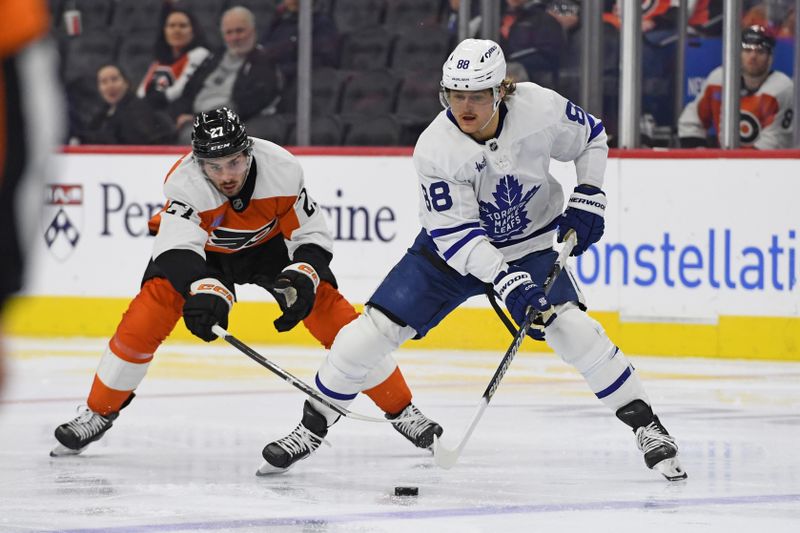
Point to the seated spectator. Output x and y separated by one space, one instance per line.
450 19
567 14
530 36
766 101
179 50
280 42
705 17
778 18
658 17
242 77
659 26
125 118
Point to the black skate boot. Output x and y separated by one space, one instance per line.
282 454
78 433
419 431
659 447
75 435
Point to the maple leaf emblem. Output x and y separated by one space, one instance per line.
508 217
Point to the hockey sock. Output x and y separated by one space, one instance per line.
582 342
331 312
392 395
150 317
359 348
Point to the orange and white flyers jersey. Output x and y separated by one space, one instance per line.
198 217
765 115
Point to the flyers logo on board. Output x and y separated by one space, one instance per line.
62 218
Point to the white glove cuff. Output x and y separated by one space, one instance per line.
212 286
509 282
593 203
306 269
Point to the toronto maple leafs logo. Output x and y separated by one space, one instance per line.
507 217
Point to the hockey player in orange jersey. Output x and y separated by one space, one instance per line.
237 212
765 118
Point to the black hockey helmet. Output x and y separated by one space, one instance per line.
757 38
218 133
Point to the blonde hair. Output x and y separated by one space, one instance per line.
509 87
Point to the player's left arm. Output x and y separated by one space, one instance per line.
580 137
310 247
776 130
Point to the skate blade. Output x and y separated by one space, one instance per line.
671 469
61 451
267 469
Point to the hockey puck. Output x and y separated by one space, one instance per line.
406 491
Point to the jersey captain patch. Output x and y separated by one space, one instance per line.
235 239
507 217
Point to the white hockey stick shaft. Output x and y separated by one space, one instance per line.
447 457
298 383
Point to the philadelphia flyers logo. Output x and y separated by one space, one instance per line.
749 127
236 239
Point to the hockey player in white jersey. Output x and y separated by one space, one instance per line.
490 211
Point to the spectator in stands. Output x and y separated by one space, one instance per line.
242 77
567 14
658 25
179 50
125 119
778 17
705 17
280 42
658 17
450 19
530 36
766 101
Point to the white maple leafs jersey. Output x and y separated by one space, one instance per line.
199 218
486 204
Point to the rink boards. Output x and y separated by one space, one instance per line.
701 254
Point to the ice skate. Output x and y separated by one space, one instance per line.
282 454
419 431
659 447
76 435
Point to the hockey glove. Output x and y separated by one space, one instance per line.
208 303
519 294
584 214
295 289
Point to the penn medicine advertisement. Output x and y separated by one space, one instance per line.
687 240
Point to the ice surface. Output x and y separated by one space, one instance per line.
547 455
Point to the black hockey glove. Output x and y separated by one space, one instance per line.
584 214
519 294
295 289
208 303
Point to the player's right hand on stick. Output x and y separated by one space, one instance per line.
519 294
208 303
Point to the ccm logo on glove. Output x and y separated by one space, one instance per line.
306 269
212 286
208 303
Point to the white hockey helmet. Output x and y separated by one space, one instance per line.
474 65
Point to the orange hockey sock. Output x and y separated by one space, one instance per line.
392 395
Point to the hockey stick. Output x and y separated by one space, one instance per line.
298 383
447 457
